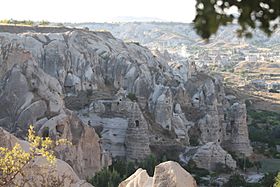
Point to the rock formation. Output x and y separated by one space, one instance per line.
40 172
138 179
236 133
137 102
210 156
33 97
169 174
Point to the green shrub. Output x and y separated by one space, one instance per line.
240 161
44 22
132 96
121 169
149 164
193 169
269 179
235 180
17 22
106 178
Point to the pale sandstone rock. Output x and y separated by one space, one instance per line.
237 130
137 143
211 156
98 65
167 174
171 174
31 95
85 153
39 172
138 179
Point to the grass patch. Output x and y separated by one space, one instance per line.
270 165
271 118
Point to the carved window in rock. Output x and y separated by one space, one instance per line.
60 128
137 123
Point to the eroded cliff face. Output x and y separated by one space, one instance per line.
39 172
30 96
137 102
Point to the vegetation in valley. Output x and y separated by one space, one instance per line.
28 23
269 180
17 22
120 170
264 131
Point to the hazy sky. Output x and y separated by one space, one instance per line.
97 10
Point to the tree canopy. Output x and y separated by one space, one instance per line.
249 14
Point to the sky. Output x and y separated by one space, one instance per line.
98 10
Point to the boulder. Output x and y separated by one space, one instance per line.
171 174
167 174
211 156
138 179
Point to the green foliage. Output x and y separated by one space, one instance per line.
14 161
242 161
268 179
235 180
264 128
197 173
17 22
132 96
277 180
106 178
149 164
124 168
267 117
211 14
120 170
44 22
222 169
194 141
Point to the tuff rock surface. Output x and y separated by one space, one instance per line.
167 174
40 172
31 96
210 156
138 179
69 80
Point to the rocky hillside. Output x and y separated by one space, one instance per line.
173 35
75 84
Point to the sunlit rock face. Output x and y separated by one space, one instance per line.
168 173
210 156
39 171
138 102
32 97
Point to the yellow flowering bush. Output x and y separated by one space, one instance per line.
13 161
